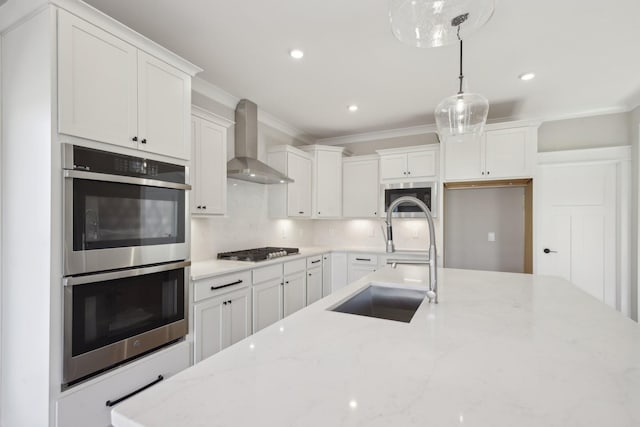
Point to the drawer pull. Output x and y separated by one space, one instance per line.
316 261
111 403
237 282
363 259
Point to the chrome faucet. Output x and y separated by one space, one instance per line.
432 294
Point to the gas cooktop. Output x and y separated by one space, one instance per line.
258 254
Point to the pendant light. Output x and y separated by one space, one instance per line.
426 23
463 113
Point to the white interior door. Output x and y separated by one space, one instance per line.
577 234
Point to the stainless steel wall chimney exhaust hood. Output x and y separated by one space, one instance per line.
245 165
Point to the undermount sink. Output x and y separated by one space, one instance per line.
383 302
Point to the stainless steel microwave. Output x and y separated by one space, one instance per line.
122 211
427 192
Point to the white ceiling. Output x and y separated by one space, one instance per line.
584 53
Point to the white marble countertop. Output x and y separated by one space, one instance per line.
214 267
500 349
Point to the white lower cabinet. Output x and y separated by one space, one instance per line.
314 279
338 270
220 322
295 293
295 286
326 274
267 303
88 404
314 284
361 264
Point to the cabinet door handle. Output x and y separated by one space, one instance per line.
237 282
204 207
134 139
224 303
111 403
287 282
488 172
144 141
549 251
309 274
482 172
375 213
316 261
229 302
404 173
409 173
198 207
363 259
318 212
301 212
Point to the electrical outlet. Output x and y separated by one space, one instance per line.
492 236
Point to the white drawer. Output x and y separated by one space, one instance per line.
363 259
314 261
294 266
86 405
263 274
215 286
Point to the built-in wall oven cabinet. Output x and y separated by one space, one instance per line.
424 191
115 316
122 211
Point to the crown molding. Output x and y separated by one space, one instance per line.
598 154
586 113
214 92
208 115
376 135
275 123
230 101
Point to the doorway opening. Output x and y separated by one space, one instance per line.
488 225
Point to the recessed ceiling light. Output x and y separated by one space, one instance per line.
296 53
526 76
353 108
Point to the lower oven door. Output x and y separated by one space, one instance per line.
112 317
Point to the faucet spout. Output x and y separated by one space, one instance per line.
432 294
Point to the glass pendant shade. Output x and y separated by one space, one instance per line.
424 23
464 113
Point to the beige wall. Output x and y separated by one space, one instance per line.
370 147
470 215
634 137
587 132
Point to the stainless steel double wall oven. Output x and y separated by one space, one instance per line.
126 251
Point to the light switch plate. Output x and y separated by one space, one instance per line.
492 236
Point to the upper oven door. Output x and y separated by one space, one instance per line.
120 221
423 191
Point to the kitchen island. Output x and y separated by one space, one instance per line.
500 349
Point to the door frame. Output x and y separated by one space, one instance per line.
620 157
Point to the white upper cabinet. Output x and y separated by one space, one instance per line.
209 164
326 180
111 91
164 106
501 152
360 187
97 83
293 199
409 163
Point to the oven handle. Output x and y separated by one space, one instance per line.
114 275
93 176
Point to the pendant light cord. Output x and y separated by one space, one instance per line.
461 77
